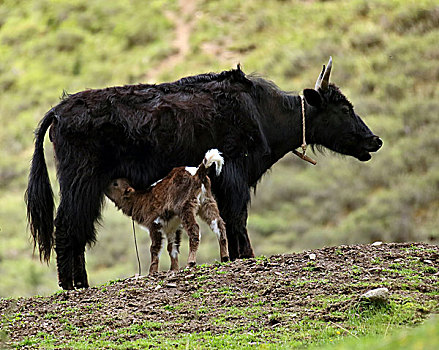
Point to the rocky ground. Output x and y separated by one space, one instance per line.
242 295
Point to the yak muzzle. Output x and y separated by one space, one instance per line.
371 144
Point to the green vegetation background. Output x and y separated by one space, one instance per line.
386 60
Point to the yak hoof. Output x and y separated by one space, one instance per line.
81 285
66 286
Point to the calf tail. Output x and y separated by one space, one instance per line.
39 195
212 156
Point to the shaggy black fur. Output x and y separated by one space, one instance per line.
141 132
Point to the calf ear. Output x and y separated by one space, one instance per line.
312 97
128 190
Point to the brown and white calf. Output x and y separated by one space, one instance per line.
172 203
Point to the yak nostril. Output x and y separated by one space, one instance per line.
373 144
378 141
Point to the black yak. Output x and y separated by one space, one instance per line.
140 132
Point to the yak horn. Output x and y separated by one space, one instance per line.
325 80
319 79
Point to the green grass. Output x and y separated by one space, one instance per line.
424 337
370 328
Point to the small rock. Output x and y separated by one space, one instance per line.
428 261
378 294
171 285
312 256
377 243
158 287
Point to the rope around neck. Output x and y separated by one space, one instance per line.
304 145
302 100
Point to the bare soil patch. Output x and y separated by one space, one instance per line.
261 292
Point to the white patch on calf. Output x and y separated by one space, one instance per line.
155 183
215 229
174 251
202 195
191 170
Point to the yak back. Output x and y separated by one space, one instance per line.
205 111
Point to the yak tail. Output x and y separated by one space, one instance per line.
39 195
212 156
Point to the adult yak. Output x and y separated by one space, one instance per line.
140 132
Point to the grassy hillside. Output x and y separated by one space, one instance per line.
287 301
386 60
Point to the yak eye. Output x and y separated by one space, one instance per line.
115 183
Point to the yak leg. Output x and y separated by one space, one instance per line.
64 255
79 272
232 202
80 206
70 257
245 247
193 230
237 236
174 240
156 246
210 214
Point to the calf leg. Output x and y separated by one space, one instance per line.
174 240
193 230
156 246
210 214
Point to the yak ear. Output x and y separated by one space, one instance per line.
312 97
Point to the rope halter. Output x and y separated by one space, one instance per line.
304 145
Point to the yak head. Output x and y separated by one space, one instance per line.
333 122
121 193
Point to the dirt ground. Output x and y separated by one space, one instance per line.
265 292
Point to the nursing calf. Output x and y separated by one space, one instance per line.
172 203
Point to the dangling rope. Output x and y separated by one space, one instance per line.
304 145
137 251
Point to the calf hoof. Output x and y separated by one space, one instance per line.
191 264
225 259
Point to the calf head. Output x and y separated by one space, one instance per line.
120 192
333 122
